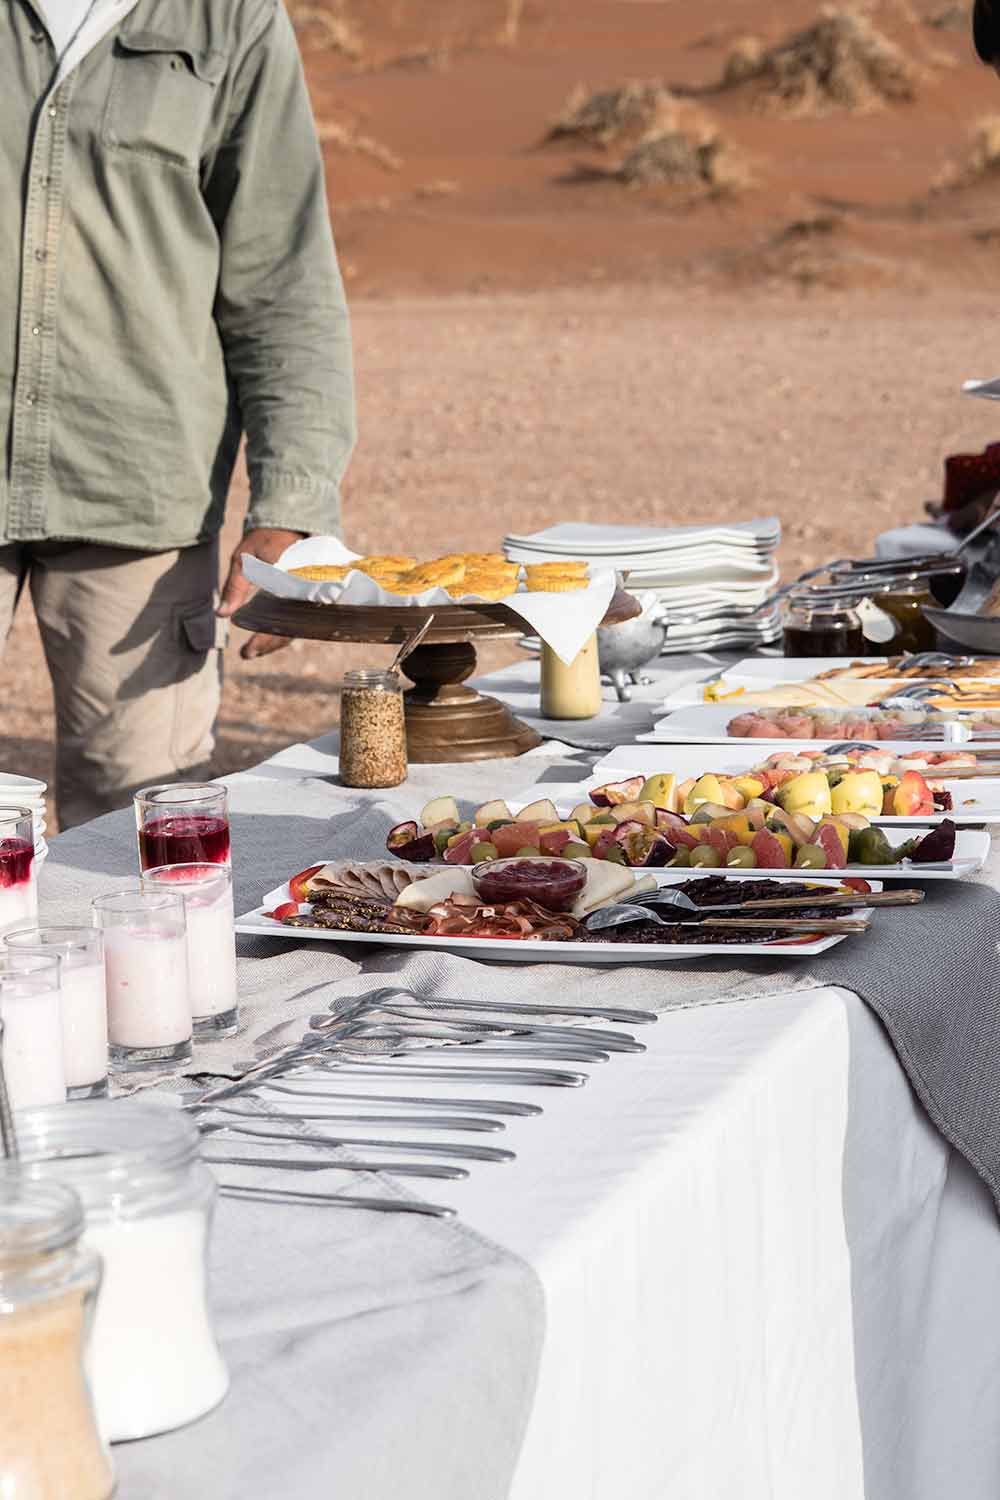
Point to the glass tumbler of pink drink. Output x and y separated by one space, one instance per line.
18 891
182 823
146 974
211 942
32 1032
82 999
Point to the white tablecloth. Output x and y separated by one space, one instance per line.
766 1276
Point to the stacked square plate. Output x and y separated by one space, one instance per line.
25 791
710 584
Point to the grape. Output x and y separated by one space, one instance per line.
810 857
705 857
741 858
483 851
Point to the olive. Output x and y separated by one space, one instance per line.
577 851
741 858
441 839
483 851
681 859
811 857
529 853
705 857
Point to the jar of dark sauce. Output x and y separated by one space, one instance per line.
819 625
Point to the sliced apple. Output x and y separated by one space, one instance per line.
705 789
912 798
440 810
661 790
542 811
492 812
808 794
639 812
858 792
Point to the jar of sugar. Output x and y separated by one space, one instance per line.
147 1197
49 1444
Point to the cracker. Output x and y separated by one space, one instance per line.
560 569
554 585
323 572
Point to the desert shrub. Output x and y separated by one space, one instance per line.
613 115
697 156
840 62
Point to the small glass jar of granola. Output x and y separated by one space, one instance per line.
372 729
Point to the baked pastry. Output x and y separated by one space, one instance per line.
323 572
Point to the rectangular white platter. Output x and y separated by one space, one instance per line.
976 800
504 950
972 846
706 724
751 690
801 668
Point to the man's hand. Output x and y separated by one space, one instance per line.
267 543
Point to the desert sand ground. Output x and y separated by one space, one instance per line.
536 343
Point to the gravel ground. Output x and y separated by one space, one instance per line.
481 415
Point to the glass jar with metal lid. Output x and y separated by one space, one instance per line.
147 1199
822 621
49 1443
372 729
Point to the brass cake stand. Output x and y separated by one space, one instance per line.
445 720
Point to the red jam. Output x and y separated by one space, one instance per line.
16 856
197 839
552 883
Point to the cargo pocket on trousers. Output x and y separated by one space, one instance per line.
161 98
199 682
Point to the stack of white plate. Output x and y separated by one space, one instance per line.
711 583
25 791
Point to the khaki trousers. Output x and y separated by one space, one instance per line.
131 641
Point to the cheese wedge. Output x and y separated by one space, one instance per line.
606 882
423 894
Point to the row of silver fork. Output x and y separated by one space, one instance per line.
340 1043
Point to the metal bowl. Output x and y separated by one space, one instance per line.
624 649
979 634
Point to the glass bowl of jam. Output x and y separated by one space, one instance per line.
552 883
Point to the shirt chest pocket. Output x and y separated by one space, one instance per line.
161 99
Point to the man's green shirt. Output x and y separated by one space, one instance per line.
168 279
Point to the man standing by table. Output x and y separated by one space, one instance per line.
168 281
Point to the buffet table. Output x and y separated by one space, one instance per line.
764 1272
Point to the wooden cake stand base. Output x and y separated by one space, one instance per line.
445 720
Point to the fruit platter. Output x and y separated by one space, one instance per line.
917 786
560 910
738 823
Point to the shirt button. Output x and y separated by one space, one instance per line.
52 111
35 331
44 180
31 398
41 255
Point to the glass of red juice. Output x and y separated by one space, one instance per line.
18 890
182 823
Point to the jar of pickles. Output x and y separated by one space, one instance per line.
49 1445
372 729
